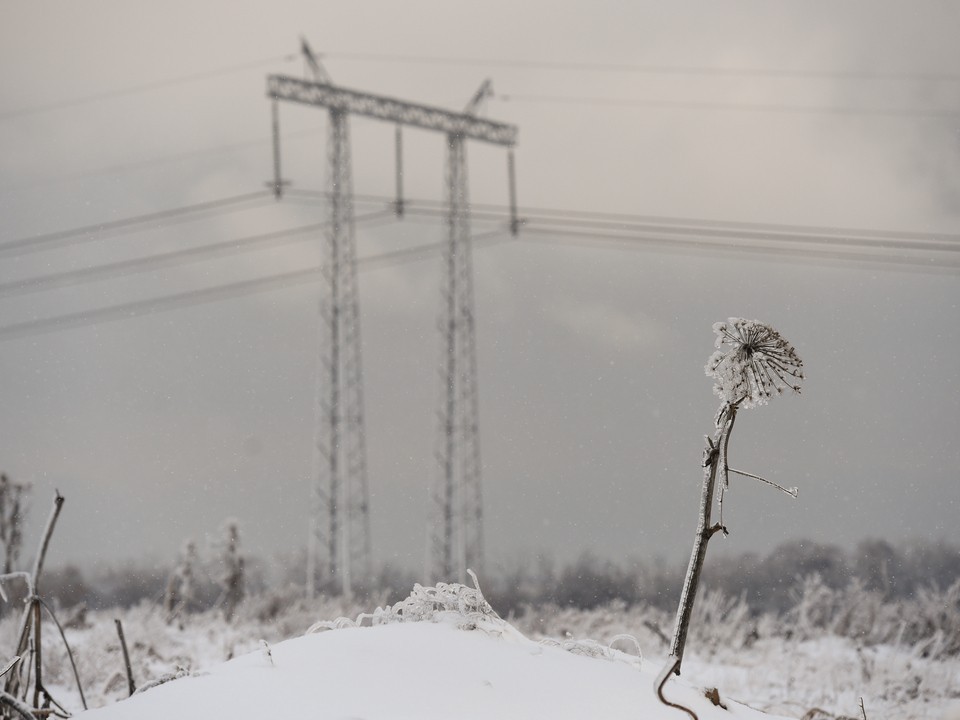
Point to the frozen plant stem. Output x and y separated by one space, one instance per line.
131 687
13 680
752 363
715 456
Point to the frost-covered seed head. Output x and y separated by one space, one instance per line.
755 364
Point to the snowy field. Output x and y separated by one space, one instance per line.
481 667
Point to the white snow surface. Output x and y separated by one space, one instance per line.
424 670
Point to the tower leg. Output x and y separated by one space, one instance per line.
457 535
340 537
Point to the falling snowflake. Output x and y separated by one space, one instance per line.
757 363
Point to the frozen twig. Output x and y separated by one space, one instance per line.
47 534
267 652
165 678
12 683
18 706
131 687
791 491
9 666
655 629
38 658
73 664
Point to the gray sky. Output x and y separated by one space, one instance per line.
593 398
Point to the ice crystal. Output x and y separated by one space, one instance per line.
755 364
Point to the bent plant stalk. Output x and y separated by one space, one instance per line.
30 620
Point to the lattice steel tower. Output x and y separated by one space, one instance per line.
341 525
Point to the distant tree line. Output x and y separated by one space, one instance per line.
771 583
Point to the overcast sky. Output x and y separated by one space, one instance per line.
592 392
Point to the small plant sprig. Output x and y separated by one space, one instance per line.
752 363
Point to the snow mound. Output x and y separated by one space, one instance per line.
441 653
465 608
458 605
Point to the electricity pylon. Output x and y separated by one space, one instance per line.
338 547
340 518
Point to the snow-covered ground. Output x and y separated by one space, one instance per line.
417 670
492 669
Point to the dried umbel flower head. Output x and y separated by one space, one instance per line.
755 364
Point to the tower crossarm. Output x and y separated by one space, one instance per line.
283 87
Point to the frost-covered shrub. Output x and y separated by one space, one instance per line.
181 592
231 579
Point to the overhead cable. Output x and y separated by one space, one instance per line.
175 258
145 87
653 68
88 233
200 296
786 108
633 218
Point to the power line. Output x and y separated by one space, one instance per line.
46 241
162 160
145 87
850 246
583 237
852 240
649 69
939 256
190 298
637 218
652 242
898 240
171 259
929 113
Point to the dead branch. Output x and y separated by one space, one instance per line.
47 534
18 706
9 666
32 611
655 629
73 664
126 657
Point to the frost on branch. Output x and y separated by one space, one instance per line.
756 364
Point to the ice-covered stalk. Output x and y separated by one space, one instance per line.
12 681
752 363
714 457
